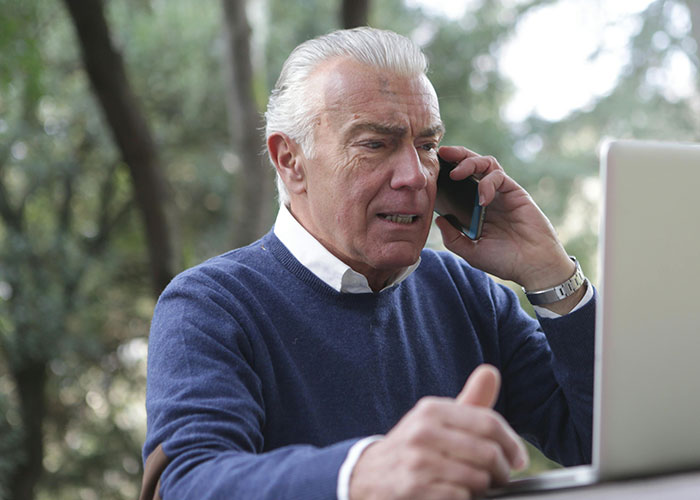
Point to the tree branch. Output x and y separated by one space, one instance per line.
107 74
254 185
11 216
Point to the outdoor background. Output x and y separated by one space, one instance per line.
129 150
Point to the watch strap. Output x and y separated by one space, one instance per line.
559 292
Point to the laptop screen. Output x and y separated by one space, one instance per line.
648 351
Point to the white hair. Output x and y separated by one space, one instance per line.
290 110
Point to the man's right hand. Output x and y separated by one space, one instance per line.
443 448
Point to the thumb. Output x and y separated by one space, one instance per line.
455 241
481 388
451 236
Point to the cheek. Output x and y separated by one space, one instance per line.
324 182
348 185
358 181
432 190
351 205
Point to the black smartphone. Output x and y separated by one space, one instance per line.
458 201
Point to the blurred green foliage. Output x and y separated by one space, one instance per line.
74 295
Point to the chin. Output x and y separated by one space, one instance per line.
398 258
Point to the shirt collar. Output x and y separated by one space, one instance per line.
317 259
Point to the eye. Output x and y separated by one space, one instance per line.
429 146
373 144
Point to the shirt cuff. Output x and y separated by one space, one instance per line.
543 312
348 465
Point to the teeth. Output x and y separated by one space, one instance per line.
401 219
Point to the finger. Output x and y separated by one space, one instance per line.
479 459
436 468
456 153
462 481
432 414
441 491
492 426
481 388
478 166
495 181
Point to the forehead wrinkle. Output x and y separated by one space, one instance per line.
380 128
340 91
436 130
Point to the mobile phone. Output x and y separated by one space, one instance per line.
458 201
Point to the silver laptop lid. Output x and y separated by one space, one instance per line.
647 408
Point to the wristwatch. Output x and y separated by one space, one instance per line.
559 292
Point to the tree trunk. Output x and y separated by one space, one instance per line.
107 74
30 380
354 13
253 199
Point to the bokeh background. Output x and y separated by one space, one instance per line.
130 150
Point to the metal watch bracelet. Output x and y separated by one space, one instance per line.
559 292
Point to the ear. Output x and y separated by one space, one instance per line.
288 159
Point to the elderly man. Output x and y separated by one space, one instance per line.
329 358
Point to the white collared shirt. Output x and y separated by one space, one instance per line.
320 261
341 277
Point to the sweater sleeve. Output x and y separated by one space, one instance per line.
206 409
548 371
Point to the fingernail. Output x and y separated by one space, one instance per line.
522 462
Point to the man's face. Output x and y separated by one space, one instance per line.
370 181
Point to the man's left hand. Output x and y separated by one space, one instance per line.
518 242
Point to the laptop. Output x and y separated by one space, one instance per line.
647 378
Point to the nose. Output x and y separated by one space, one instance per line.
409 172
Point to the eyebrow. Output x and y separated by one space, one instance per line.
437 129
393 130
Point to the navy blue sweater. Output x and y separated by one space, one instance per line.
261 377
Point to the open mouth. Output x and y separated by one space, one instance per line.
399 219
